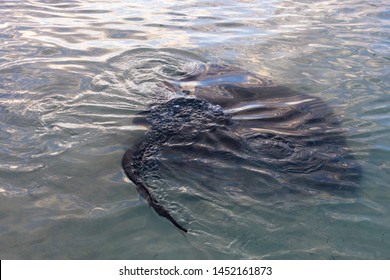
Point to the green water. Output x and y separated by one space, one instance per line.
68 105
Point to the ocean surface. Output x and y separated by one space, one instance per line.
77 76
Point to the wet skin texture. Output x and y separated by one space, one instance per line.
168 120
237 116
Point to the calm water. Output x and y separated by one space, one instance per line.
74 76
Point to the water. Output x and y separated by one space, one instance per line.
75 75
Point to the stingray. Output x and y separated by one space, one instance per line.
227 114
169 120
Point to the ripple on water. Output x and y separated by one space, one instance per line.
75 79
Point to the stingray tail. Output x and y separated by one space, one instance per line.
164 213
142 187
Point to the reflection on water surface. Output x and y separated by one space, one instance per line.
75 77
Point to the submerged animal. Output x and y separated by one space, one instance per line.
169 120
229 115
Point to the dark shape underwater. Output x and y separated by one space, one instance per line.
234 117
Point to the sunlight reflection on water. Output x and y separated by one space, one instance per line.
73 84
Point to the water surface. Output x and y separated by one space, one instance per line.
74 76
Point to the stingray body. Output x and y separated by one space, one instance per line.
167 121
230 115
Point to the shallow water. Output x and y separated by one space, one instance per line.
75 75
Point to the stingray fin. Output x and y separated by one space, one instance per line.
143 188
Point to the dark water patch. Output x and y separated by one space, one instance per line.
228 24
129 34
134 19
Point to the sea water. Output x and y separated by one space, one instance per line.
75 76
